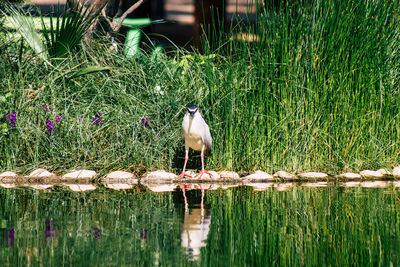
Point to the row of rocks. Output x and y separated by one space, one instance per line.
257 186
167 177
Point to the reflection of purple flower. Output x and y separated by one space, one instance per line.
145 122
50 126
50 231
11 237
143 234
96 232
11 118
49 228
58 118
97 118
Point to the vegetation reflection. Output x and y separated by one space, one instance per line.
238 226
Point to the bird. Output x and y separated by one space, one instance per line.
197 136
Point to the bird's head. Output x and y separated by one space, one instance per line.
192 109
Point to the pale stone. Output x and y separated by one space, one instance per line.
119 186
161 187
259 186
226 186
396 183
207 186
371 174
82 174
351 184
396 172
283 186
40 173
160 175
8 174
229 175
259 175
214 176
350 175
199 186
40 186
9 178
191 173
6 185
120 175
383 172
313 175
81 187
319 184
375 184
284 175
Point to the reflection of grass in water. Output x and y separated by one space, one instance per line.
306 226
302 226
318 91
101 227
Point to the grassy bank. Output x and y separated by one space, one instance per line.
317 88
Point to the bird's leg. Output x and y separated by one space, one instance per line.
203 171
185 198
183 174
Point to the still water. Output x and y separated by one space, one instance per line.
290 226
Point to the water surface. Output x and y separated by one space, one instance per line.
293 226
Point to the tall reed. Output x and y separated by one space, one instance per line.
314 85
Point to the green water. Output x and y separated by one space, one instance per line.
237 226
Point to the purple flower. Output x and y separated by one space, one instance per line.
50 127
58 118
97 118
46 108
145 122
11 118
96 232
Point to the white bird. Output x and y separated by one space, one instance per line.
197 136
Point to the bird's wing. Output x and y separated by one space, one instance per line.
183 126
207 138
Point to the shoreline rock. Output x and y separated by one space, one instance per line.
350 175
159 176
229 175
371 174
258 176
396 172
79 175
313 175
121 177
285 175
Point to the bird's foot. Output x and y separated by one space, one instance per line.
201 173
183 175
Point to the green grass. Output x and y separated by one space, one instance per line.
318 91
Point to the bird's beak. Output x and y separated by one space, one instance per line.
192 111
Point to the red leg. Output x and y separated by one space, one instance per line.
183 174
203 171
185 199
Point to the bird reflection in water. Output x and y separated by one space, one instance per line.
196 225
